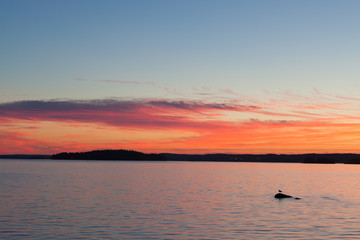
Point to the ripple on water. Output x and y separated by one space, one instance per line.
177 200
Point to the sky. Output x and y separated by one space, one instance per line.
180 76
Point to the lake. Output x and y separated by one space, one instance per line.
47 199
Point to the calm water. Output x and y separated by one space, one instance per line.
43 199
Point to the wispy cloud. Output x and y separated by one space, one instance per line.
127 82
228 91
172 91
17 142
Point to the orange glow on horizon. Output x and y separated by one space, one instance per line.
251 137
170 126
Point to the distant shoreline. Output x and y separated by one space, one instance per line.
130 155
25 156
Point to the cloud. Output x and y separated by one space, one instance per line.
126 113
228 91
127 82
348 98
172 91
182 124
18 142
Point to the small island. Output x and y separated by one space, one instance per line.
111 154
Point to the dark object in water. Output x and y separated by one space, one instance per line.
281 195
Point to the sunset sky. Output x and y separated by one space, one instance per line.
180 76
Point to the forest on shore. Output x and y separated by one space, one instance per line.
121 154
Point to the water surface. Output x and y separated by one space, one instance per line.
44 199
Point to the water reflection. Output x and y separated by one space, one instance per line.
177 200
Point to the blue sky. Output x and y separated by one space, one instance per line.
245 46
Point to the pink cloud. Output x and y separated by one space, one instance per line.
122 113
17 142
228 91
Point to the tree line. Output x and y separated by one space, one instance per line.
120 154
